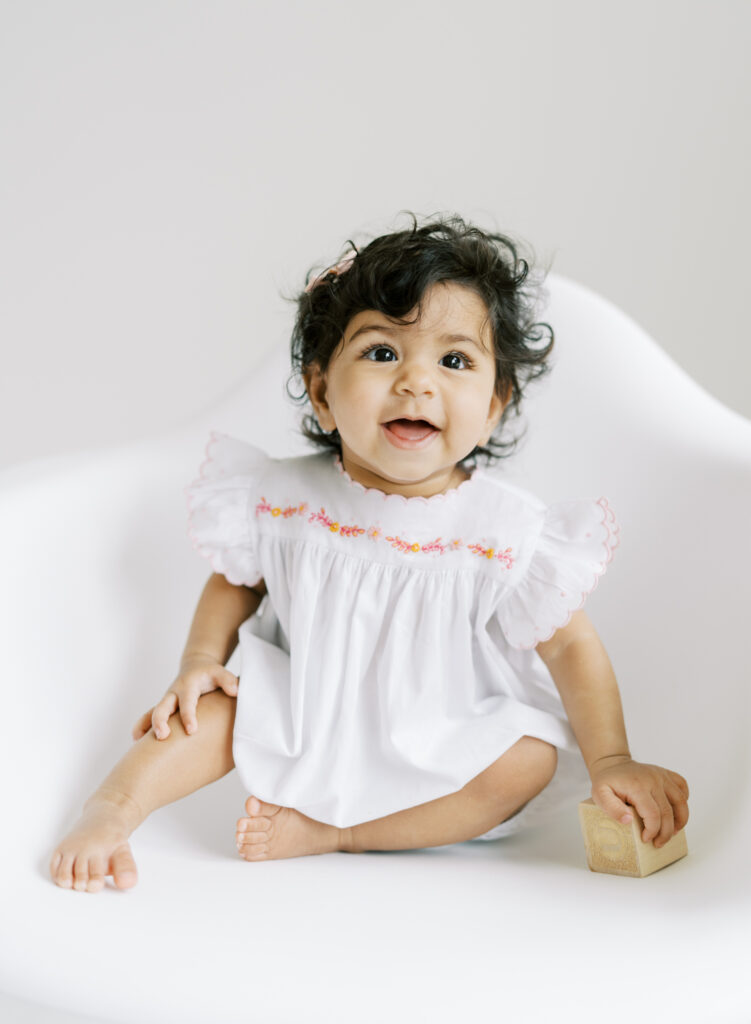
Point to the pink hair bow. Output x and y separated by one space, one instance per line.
341 267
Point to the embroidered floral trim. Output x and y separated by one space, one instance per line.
321 518
502 556
291 510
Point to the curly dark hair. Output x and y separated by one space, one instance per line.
391 275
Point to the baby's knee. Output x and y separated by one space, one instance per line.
545 757
528 766
540 762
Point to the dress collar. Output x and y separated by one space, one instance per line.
434 499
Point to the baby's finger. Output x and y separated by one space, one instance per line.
166 707
651 814
143 725
680 807
679 781
613 806
188 705
667 826
228 683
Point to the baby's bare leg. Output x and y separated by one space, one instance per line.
271 831
152 773
487 800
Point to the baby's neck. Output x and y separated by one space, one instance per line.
421 488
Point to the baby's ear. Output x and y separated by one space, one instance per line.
498 403
316 385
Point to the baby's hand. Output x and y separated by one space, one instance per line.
659 795
198 675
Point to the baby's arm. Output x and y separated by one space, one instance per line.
222 608
582 672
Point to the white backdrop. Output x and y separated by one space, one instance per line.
169 167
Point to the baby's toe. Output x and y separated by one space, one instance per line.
254 838
253 825
256 833
97 868
254 807
124 870
64 875
81 874
254 851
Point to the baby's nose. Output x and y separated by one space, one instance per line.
416 377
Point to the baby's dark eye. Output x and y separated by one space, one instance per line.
456 358
379 354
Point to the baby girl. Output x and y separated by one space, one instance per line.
417 669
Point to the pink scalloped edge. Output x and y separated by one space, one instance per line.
610 543
213 557
434 498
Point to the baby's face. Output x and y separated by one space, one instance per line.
410 402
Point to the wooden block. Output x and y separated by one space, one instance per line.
619 849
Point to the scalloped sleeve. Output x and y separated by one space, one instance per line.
220 523
574 547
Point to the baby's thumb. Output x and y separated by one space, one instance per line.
229 683
614 807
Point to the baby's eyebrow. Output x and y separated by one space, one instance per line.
455 339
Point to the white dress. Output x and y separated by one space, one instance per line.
393 658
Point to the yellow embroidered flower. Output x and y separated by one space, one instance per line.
334 527
415 547
489 553
276 511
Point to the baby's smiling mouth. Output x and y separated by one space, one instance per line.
410 430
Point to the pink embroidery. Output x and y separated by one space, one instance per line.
291 510
502 556
321 518
346 531
406 546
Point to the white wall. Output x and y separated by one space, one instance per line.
168 167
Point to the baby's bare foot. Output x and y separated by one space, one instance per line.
272 832
97 846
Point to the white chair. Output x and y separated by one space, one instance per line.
98 587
